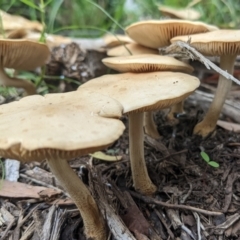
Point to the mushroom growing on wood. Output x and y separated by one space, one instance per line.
147 63
139 93
21 55
223 43
48 128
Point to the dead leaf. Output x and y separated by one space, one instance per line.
135 221
102 156
234 127
22 190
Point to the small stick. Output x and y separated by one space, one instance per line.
181 49
150 200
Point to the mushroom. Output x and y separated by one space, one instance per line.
21 55
139 93
48 128
223 43
130 49
112 40
157 33
147 63
13 22
51 40
185 13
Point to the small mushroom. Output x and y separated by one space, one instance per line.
139 93
112 40
183 13
148 63
130 49
21 55
58 127
13 22
223 43
51 40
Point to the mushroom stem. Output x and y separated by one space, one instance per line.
7 81
176 108
141 180
150 127
208 124
94 225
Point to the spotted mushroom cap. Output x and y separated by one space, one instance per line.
146 91
62 125
130 48
217 43
185 13
22 54
157 33
146 63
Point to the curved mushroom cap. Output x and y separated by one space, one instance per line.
146 63
134 48
13 22
22 54
145 91
116 40
217 43
63 125
51 40
187 13
157 33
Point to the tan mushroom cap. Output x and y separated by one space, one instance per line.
157 33
116 40
146 63
64 125
145 91
220 42
134 48
22 54
13 22
186 13
51 40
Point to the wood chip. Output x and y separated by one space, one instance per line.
22 190
234 127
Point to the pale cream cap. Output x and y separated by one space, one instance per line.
217 43
145 91
134 48
62 125
157 33
146 63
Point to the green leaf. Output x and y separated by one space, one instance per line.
105 157
205 156
30 4
213 164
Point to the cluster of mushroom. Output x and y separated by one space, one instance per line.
148 36
207 39
58 127
94 109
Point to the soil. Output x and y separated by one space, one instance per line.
194 200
